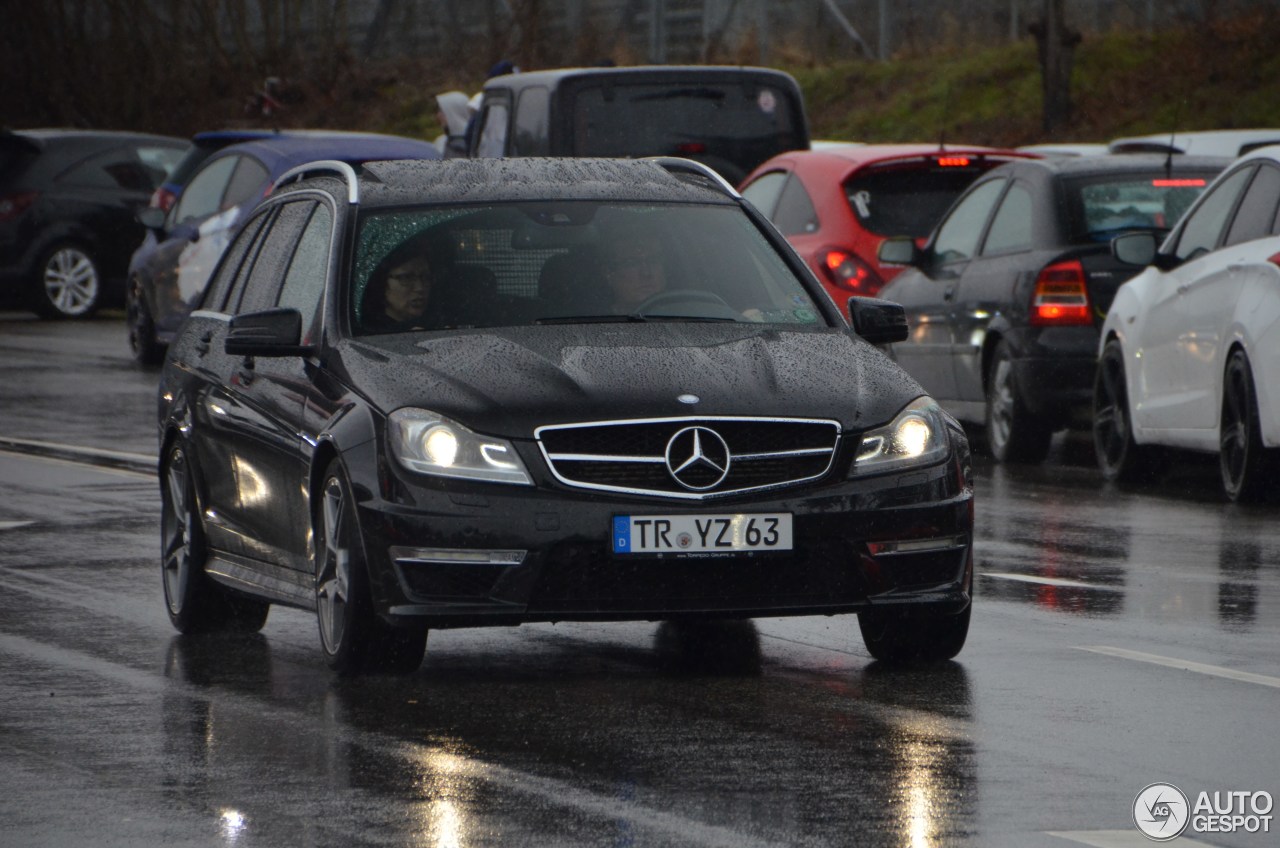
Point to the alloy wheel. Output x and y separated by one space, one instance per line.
333 578
71 282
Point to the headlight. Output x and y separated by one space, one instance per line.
432 444
918 436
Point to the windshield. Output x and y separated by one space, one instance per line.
545 263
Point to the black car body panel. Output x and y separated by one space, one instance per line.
599 419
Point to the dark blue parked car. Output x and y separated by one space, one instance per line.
169 270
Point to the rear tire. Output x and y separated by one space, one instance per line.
142 329
1013 434
353 638
1247 468
907 636
69 283
195 603
1120 458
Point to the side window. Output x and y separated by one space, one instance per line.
203 195
493 132
1205 225
309 270
765 191
249 179
229 270
795 214
532 138
958 235
1257 213
1011 228
262 287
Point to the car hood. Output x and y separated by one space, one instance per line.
507 382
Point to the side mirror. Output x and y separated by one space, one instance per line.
899 250
878 321
271 332
152 218
1134 248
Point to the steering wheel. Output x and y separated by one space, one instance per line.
694 296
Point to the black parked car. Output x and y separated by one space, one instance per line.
478 392
731 118
1006 299
68 206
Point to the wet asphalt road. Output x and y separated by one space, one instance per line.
1119 639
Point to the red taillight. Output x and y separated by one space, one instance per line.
163 199
1061 297
953 161
691 148
13 205
849 272
1184 183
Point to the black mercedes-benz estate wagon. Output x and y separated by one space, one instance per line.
487 392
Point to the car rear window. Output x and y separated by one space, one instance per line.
731 127
1102 206
908 199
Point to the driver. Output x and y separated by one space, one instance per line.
634 271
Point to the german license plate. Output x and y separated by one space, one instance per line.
654 534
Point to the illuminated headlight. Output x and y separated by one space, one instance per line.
432 444
918 436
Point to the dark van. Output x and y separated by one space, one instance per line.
730 118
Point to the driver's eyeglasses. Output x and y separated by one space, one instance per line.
410 280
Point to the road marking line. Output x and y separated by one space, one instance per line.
1117 839
1184 665
141 463
1049 581
131 473
14 525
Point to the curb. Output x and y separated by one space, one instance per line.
136 462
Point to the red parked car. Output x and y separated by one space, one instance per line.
835 205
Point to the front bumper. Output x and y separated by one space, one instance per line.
544 554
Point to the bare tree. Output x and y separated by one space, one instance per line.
1056 45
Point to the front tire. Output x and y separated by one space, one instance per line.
69 283
1247 468
194 602
1120 458
353 639
900 637
1014 434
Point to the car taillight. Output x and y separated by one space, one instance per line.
1274 259
163 199
1061 297
849 272
13 205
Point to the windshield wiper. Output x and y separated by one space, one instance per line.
594 319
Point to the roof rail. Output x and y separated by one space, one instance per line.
689 166
331 166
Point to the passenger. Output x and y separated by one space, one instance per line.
634 270
453 112
398 292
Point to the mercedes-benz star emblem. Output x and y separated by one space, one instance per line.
698 458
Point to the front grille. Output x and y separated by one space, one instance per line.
691 458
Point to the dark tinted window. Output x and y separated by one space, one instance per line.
531 123
215 295
115 169
907 200
1257 213
1204 226
309 270
272 260
795 214
732 127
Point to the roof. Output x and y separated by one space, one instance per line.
639 73
448 181
44 135
286 151
1118 163
1230 143
838 162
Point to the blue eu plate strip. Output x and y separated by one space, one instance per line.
621 534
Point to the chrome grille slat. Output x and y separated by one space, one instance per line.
629 457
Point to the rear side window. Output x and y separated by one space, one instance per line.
1257 213
232 260
493 134
795 214
907 201
265 278
763 193
203 197
958 236
531 123
249 179
308 271
1204 227
1011 228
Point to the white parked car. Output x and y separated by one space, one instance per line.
1190 350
